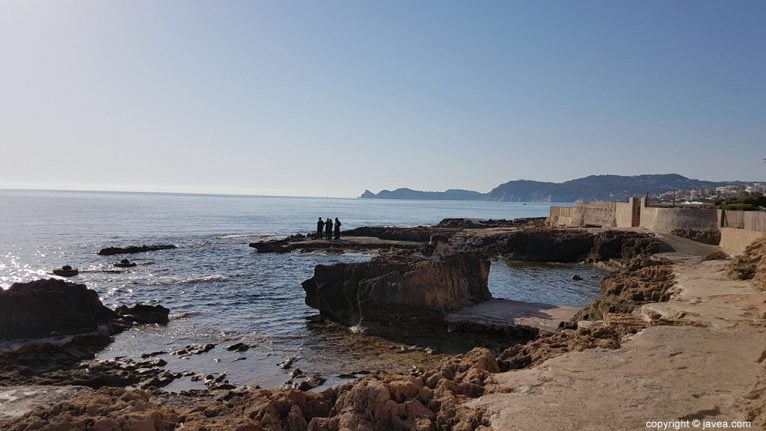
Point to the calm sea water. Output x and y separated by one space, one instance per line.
220 290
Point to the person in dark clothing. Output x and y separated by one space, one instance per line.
320 228
328 229
337 229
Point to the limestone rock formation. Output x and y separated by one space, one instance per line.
380 402
398 293
566 245
642 280
47 307
752 264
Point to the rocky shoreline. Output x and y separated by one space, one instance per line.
450 396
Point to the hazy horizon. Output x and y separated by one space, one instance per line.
327 99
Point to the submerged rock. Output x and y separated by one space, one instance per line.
66 271
398 294
125 263
110 251
142 314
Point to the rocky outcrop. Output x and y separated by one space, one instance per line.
539 244
396 233
752 264
143 314
110 251
565 245
705 236
303 243
469 223
613 244
642 280
432 400
541 349
50 307
398 293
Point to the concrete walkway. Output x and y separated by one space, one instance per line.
711 366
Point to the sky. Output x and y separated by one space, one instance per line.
329 98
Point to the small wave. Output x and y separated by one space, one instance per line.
235 236
174 280
179 316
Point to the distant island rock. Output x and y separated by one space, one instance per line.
404 193
590 188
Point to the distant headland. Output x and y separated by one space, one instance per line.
593 187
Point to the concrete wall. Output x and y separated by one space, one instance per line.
734 241
628 214
636 212
601 214
669 219
748 220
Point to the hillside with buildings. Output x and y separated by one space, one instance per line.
591 188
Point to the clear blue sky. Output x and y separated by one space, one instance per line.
328 98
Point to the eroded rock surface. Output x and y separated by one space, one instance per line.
751 265
398 293
642 280
431 401
565 245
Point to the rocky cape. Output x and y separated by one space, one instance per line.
593 187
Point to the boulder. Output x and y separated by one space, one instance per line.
141 313
49 307
398 294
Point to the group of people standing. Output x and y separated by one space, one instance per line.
327 228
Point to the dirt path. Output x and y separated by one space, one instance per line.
710 366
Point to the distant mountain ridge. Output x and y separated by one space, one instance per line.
590 188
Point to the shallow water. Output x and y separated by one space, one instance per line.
221 291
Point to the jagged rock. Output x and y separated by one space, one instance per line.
541 349
125 263
45 307
392 293
566 245
110 251
467 223
396 233
194 349
536 244
706 236
715 255
752 264
142 314
642 280
617 244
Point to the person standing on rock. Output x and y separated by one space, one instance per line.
328 228
337 229
320 228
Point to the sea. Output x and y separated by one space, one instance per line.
221 291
